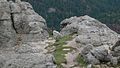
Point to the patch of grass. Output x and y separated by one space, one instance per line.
81 61
59 53
62 40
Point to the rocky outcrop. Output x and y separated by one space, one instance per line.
19 17
29 55
69 26
97 55
23 35
28 22
95 39
90 31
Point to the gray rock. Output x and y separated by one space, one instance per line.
7 33
28 61
22 31
56 34
116 52
101 53
3 0
97 55
15 8
114 60
89 30
2 62
116 49
4 11
68 27
26 48
27 22
5 16
92 32
17 1
91 59
21 18
89 39
86 49
22 58
25 6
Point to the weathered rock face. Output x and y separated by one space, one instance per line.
69 26
90 31
28 22
95 39
19 17
26 56
22 34
7 33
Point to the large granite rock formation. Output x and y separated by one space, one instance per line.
19 17
90 31
94 38
28 22
22 34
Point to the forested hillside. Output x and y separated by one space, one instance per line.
54 11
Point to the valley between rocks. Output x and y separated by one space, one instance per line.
83 42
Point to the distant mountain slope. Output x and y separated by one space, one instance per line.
54 11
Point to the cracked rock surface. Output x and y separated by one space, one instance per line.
94 40
22 37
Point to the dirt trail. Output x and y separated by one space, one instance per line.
71 56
